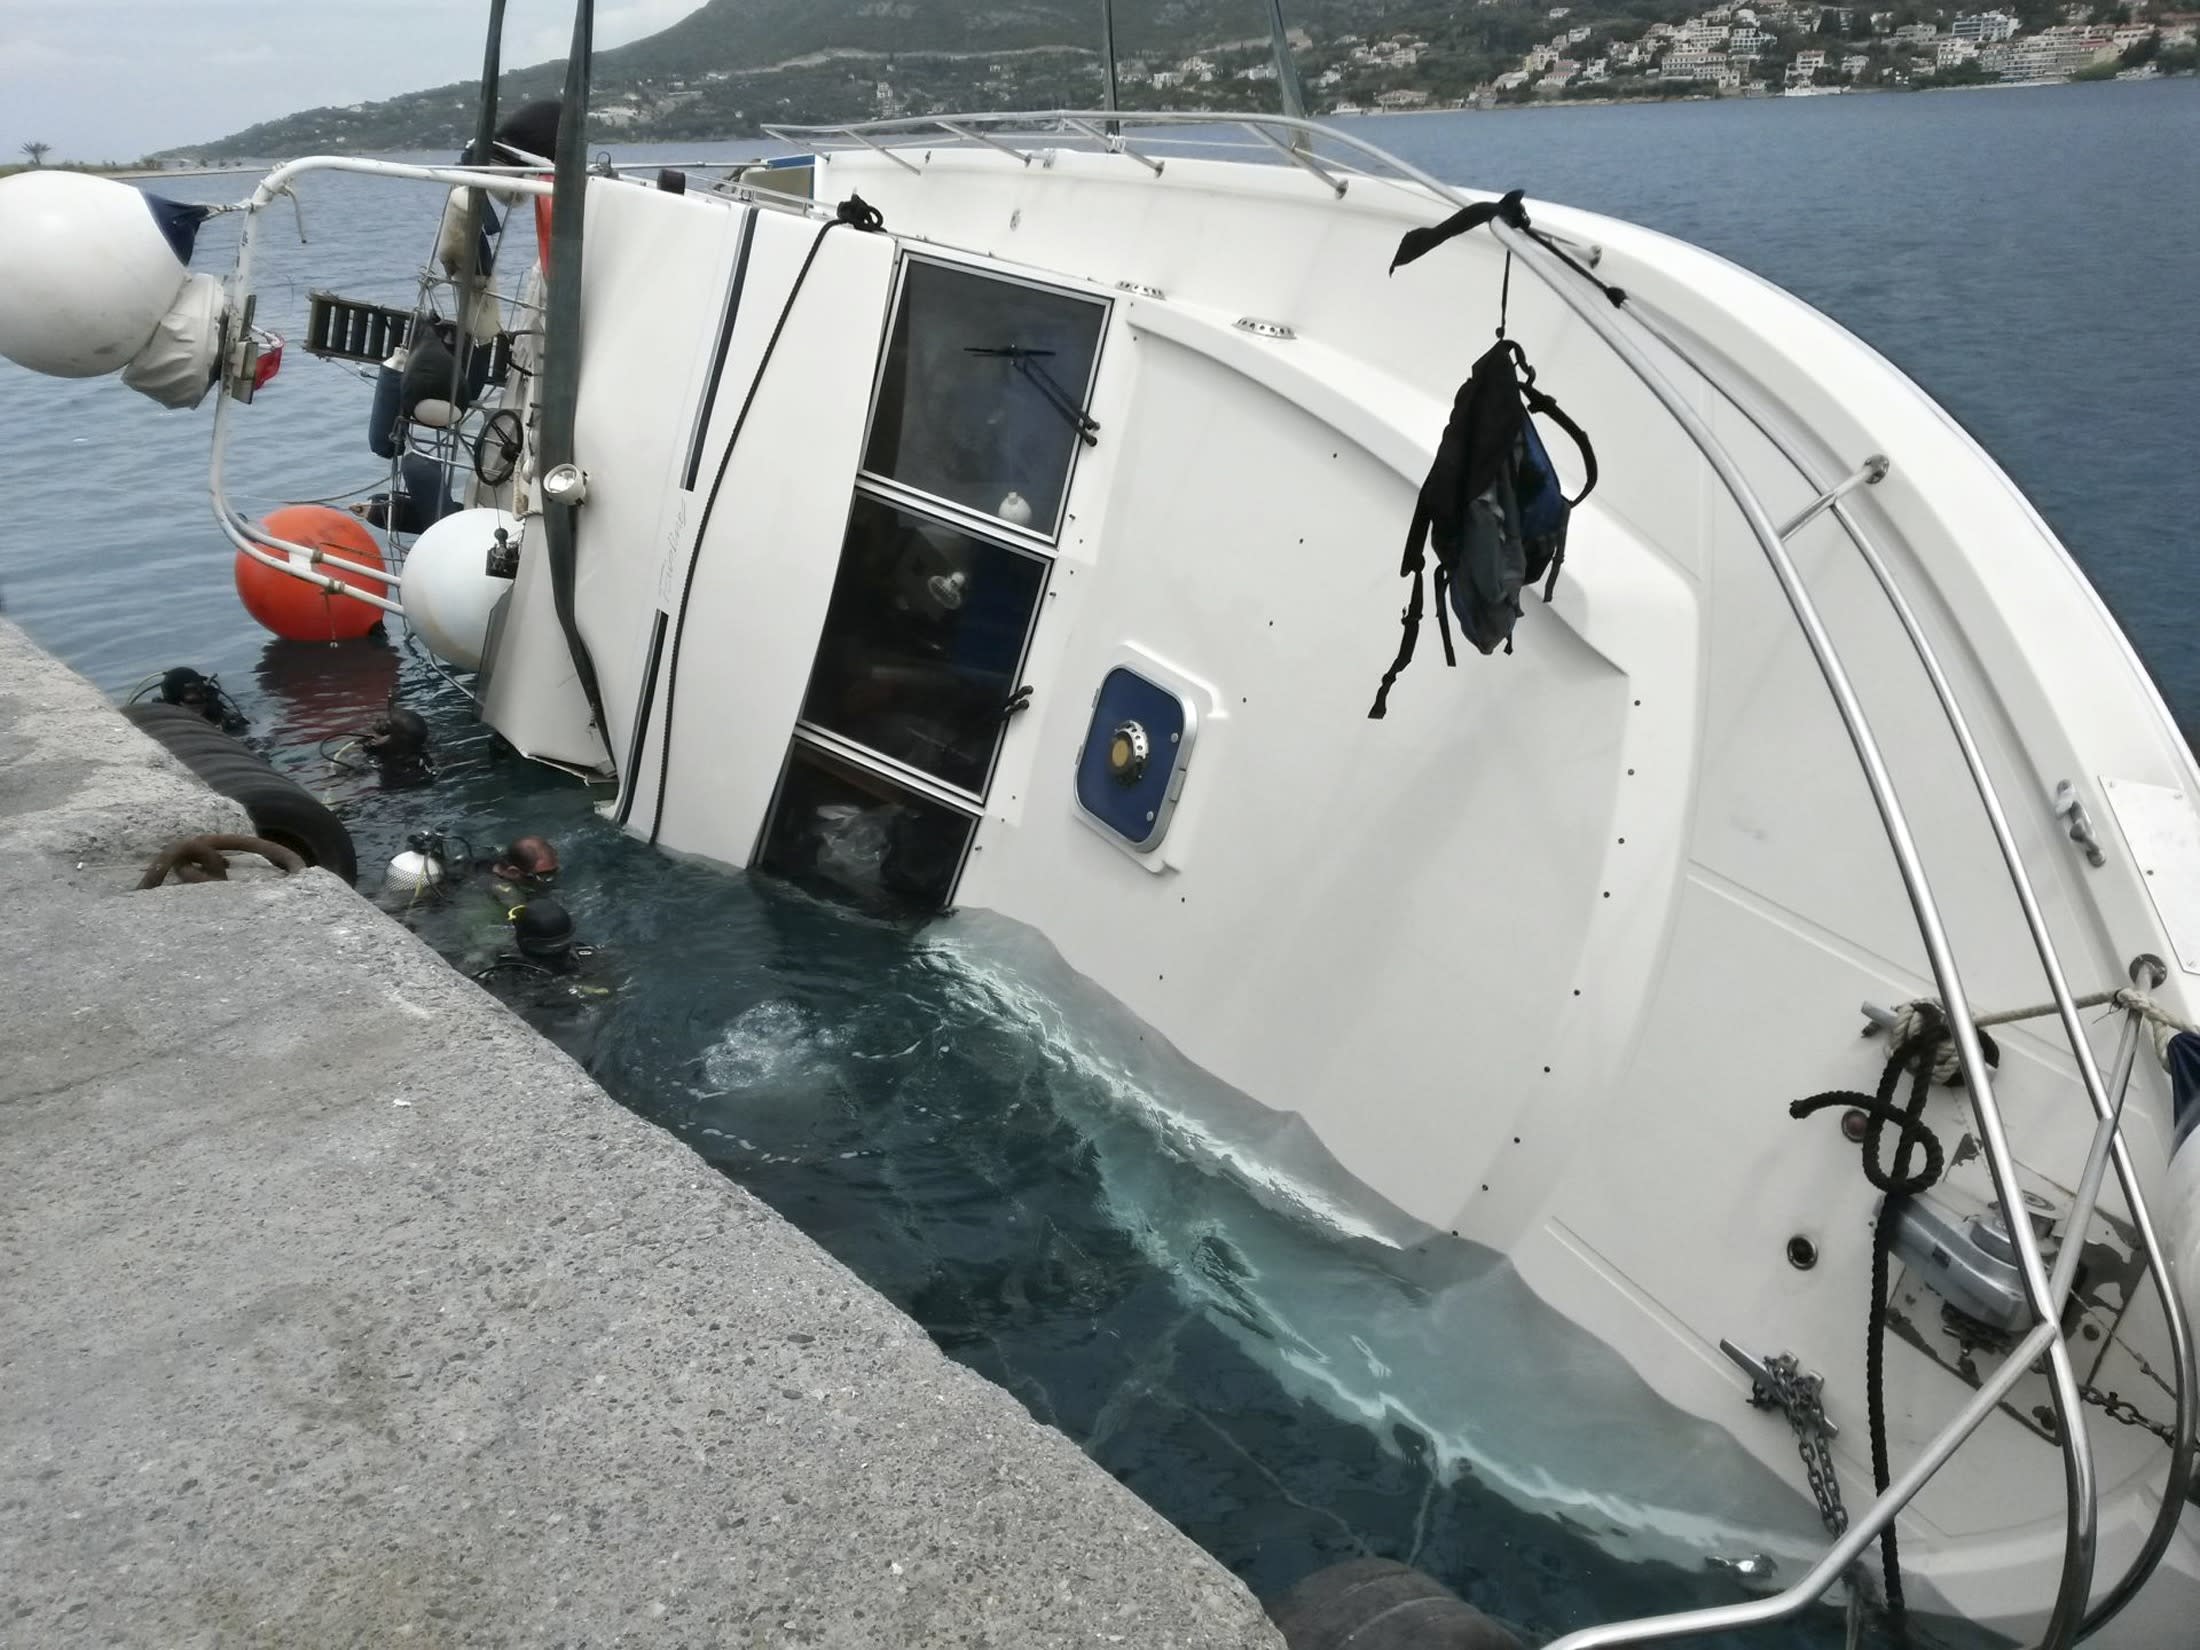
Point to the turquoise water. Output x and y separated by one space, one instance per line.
982 1154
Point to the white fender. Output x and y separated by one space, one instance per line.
176 366
85 272
447 591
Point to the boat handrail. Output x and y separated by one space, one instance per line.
2182 1352
2070 1617
1592 306
298 560
1108 131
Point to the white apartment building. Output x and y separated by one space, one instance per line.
1691 63
1948 53
1983 28
1917 34
2054 53
1854 64
1806 65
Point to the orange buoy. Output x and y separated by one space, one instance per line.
302 612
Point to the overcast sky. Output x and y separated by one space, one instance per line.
115 79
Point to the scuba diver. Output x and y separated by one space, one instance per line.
397 744
204 694
523 870
528 864
557 985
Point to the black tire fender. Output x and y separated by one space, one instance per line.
1380 1604
282 810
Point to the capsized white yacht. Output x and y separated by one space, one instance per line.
1002 514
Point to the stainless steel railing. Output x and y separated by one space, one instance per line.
2107 1109
1591 307
2070 1618
298 560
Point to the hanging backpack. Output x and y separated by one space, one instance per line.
1492 505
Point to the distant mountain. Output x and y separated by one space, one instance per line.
732 64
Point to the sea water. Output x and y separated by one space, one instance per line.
973 1133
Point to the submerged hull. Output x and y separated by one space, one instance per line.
1540 958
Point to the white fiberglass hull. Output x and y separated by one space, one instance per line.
1540 958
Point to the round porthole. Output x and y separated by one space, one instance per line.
1131 765
1128 751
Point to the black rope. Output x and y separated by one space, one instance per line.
1900 1183
1419 243
1617 295
858 213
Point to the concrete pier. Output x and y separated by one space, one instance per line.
337 1308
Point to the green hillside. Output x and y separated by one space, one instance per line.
734 63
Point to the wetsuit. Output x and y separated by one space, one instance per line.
566 997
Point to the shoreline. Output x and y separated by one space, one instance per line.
1543 103
644 141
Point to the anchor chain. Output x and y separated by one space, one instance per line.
1802 1398
2127 1412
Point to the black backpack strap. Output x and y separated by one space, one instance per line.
1538 402
1419 243
1409 621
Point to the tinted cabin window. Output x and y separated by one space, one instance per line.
851 832
980 391
922 642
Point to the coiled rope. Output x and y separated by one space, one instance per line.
1910 1024
1922 1047
1919 1037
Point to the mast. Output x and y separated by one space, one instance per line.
561 351
1107 55
482 152
1287 69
